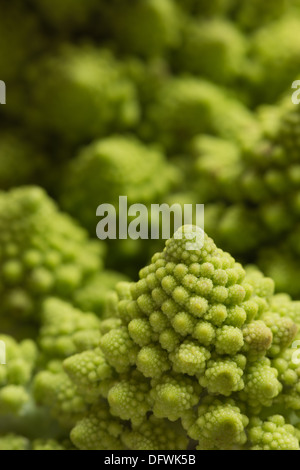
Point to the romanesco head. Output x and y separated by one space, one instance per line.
43 252
196 330
115 166
86 79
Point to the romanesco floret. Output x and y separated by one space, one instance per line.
17 442
115 166
53 389
214 49
155 434
43 252
96 295
13 442
86 79
194 326
275 53
218 425
273 434
17 365
65 330
98 430
186 106
198 353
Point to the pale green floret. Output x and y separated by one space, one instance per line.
90 372
172 395
114 166
54 389
286 307
229 340
273 434
119 349
170 348
66 330
289 375
129 399
17 365
98 430
223 377
87 78
183 323
186 106
261 384
13 398
215 49
189 358
156 434
51 444
283 331
257 339
97 296
140 331
152 361
13 442
43 253
275 49
204 333
219 426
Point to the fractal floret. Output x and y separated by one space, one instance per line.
115 116
186 106
214 49
85 79
43 252
259 183
197 341
115 166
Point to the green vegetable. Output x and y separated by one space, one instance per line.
81 78
103 345
43 252
195 325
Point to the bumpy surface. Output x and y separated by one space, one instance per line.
165 102
84 79
195 330
43 252
114 167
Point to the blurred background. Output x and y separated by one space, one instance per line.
174 101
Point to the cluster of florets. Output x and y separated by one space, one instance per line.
194 331
43 252
258 179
